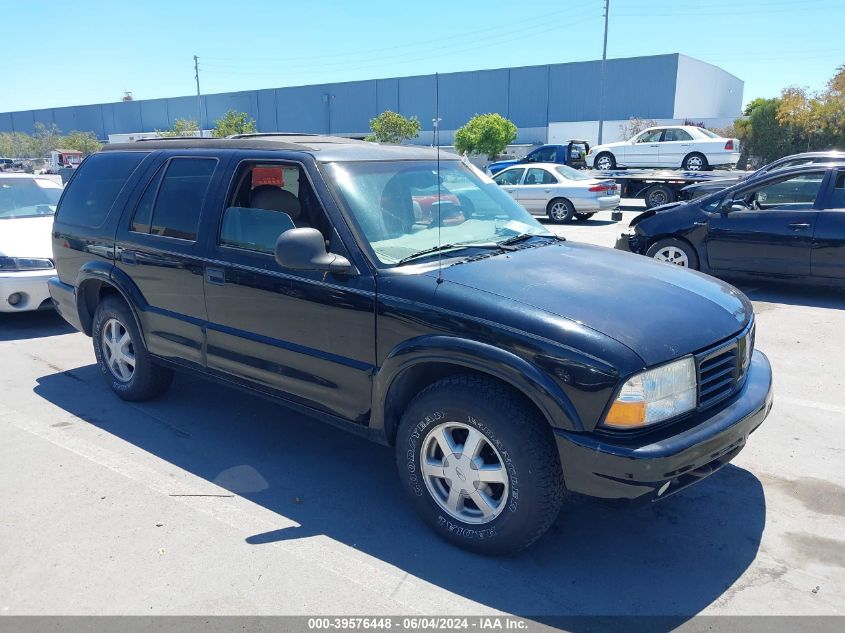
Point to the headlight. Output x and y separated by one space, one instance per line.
25 263
655 395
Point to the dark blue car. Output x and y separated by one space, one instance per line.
572 153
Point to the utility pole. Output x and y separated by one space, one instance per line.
199 98
603 64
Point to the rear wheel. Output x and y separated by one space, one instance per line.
605 161
674 251
695 162
657 195
124 362
560 210
479 465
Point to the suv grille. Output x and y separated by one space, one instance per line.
721 370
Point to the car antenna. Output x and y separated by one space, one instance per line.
437 150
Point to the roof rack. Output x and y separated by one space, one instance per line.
168 138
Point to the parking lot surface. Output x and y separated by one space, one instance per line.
210 501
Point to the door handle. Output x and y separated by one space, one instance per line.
547 190
129 258
799 226
215 276
654 145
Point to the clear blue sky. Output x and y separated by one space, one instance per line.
90 51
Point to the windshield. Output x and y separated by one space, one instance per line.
396 206
571 174
28 197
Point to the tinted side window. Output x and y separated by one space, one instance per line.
144 210
180 197
837 198
677 135
94 188
539 177
509 177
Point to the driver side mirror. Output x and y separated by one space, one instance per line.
729 206
305 249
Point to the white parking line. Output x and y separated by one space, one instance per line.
821 406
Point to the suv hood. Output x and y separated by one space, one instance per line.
660 312
26 237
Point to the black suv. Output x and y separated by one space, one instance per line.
402 295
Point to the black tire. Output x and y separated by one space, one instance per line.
560 210
661 248
147 380
611 162
524 447
657 195
694 162
583 216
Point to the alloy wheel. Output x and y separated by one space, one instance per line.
464 473
672 255
694 163
604 163
559 211
118 350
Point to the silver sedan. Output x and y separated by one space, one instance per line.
558 191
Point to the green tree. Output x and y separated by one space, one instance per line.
392 127
85 142
486 134
233 123
181 127
45 139
15 145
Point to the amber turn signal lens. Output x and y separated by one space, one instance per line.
626 414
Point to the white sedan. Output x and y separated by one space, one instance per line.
688 147
557 191
27 205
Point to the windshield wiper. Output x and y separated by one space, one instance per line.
521 237
445 247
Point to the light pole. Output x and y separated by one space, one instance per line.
603 64
199 98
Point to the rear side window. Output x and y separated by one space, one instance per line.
171 203
94 188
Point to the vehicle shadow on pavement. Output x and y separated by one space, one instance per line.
590 222
670 559
809 296
18 326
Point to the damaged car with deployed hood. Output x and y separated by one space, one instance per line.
506 366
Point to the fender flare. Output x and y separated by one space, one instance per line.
109 274
506 366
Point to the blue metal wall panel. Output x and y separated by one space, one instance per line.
352 105
303 109
528 94
266 119
642 87
126 116
23 121
217 105
387 95
177 108
463 95
154 114
416 98
6 122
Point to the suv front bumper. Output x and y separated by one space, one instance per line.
653 466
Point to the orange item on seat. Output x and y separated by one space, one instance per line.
268 176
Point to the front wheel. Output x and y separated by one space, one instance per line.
560 210
121 355
479 465
674 251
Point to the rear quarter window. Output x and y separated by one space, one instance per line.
92 191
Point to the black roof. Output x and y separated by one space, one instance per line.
323 148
